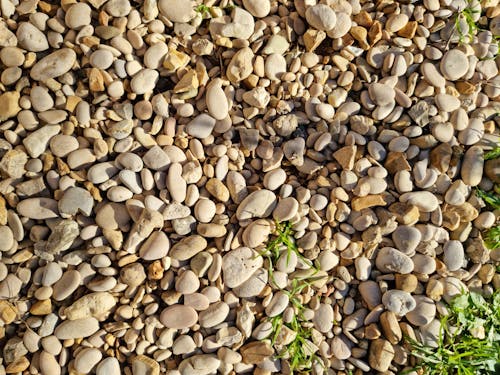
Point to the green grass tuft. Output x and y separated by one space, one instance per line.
469 338
493 154
491 199
491 238
299 353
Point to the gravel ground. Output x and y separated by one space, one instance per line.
247 187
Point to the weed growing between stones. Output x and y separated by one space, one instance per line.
469 338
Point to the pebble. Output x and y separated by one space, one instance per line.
454 64
178 317
49 364
95 305
201 126
38 208
217 104
391 260
78 328
321 17
87 359
381 355
53 65
454 256
144 81
259 204
239 265
188 247
31 38
77 16
399 302
215 314
424 312
108 366
177 10
323 318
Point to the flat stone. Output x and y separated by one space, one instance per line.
188 247
75 200
259 204
53 65
74 329
178 317
321 17
399 302
37 142
215 314
31 38
177 10
38 208
391 260
454 64
239 265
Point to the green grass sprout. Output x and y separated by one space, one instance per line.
491 238
469 338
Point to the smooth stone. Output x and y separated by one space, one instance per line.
473 166
321 17
380 355
53 65
133 274
254 285
156 159
323 318
341 347
6 238
188 247
406 239
10 287
155 247
101 172
258 8
197 301
187 282
66 285
144 81
424 200
239 265
87 359
201 126
286 209
256 233
200 364
454 65
108 366
240 66
177 10
453 255
101 59
48 364
391 260
258 204
36 143
95 305
38 208
31 38
178 317
42 101
215 314
278 304
370 292
216 99
143 365
75 200
381 94
399 302
74 329
77 16
424 312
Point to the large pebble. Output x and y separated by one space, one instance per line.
178 317
454 256
424 312
217 104
144 81
399 302
323 318
391 260
215 314
87 359
95 305
79 328
258 204
424 200
108 366
155 247
406 239
177 10
472 166
454 64
31 38
321 17
188 247
53 65
38 208
239 265
78 16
